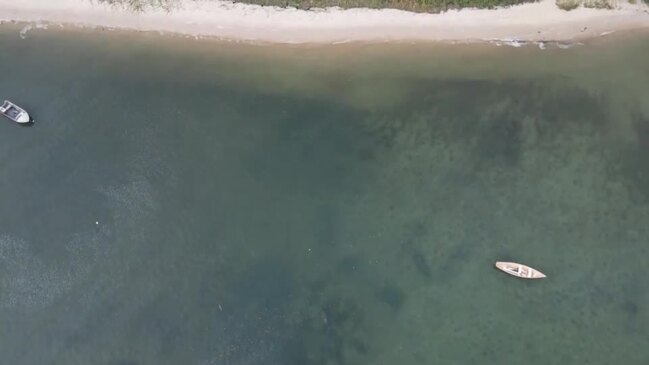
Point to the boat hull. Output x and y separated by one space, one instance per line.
15 113
519 270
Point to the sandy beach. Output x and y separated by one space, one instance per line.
535 22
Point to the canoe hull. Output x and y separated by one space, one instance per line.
519 270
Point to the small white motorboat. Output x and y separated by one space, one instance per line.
14 112
519 270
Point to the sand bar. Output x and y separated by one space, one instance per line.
533 22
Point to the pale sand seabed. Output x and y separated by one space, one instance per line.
534 22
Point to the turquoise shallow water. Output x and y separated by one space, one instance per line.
202 202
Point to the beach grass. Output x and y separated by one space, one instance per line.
591 4
412 5
568 4
139 5
431 6
598 4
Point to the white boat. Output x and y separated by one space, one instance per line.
519 270
14 112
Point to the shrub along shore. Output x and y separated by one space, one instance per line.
427 6
423 6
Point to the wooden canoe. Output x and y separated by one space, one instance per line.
519 270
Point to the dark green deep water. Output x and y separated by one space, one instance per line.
202 202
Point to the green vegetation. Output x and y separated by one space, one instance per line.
430 6
568 4
598 4
412 5
593 4
139 5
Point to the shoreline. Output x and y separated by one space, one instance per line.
540 23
